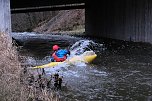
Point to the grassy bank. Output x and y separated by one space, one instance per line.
72 32
14 85
9 71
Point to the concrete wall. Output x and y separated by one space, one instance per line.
5 16
120 19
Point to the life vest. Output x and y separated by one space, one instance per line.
58 59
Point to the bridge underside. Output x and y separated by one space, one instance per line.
41 3
23 6
129 20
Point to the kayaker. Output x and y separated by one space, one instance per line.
56 77
57 81
59 55
60 82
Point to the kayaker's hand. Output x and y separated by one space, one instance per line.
52 59
68 52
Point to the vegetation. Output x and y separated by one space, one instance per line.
64 21
27 21
9 72
14 80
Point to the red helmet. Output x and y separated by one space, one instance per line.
55 47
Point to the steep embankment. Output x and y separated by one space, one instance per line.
67 20
22 22
16 84
9 71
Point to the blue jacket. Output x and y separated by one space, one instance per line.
61 53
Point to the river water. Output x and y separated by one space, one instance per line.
122 71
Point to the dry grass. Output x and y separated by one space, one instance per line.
9 71
66 20
11 89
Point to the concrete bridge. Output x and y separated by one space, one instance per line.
23 6
129 20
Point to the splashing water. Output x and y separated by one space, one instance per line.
84 45
79 71
115 77
78 48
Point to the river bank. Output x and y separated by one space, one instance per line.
15 84
10 71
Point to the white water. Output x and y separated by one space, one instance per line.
112 77
78 48
78 77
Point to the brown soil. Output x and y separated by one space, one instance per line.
14 81
9 72
67 20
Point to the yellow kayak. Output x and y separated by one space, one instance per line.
87 57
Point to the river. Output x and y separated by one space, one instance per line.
122 70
